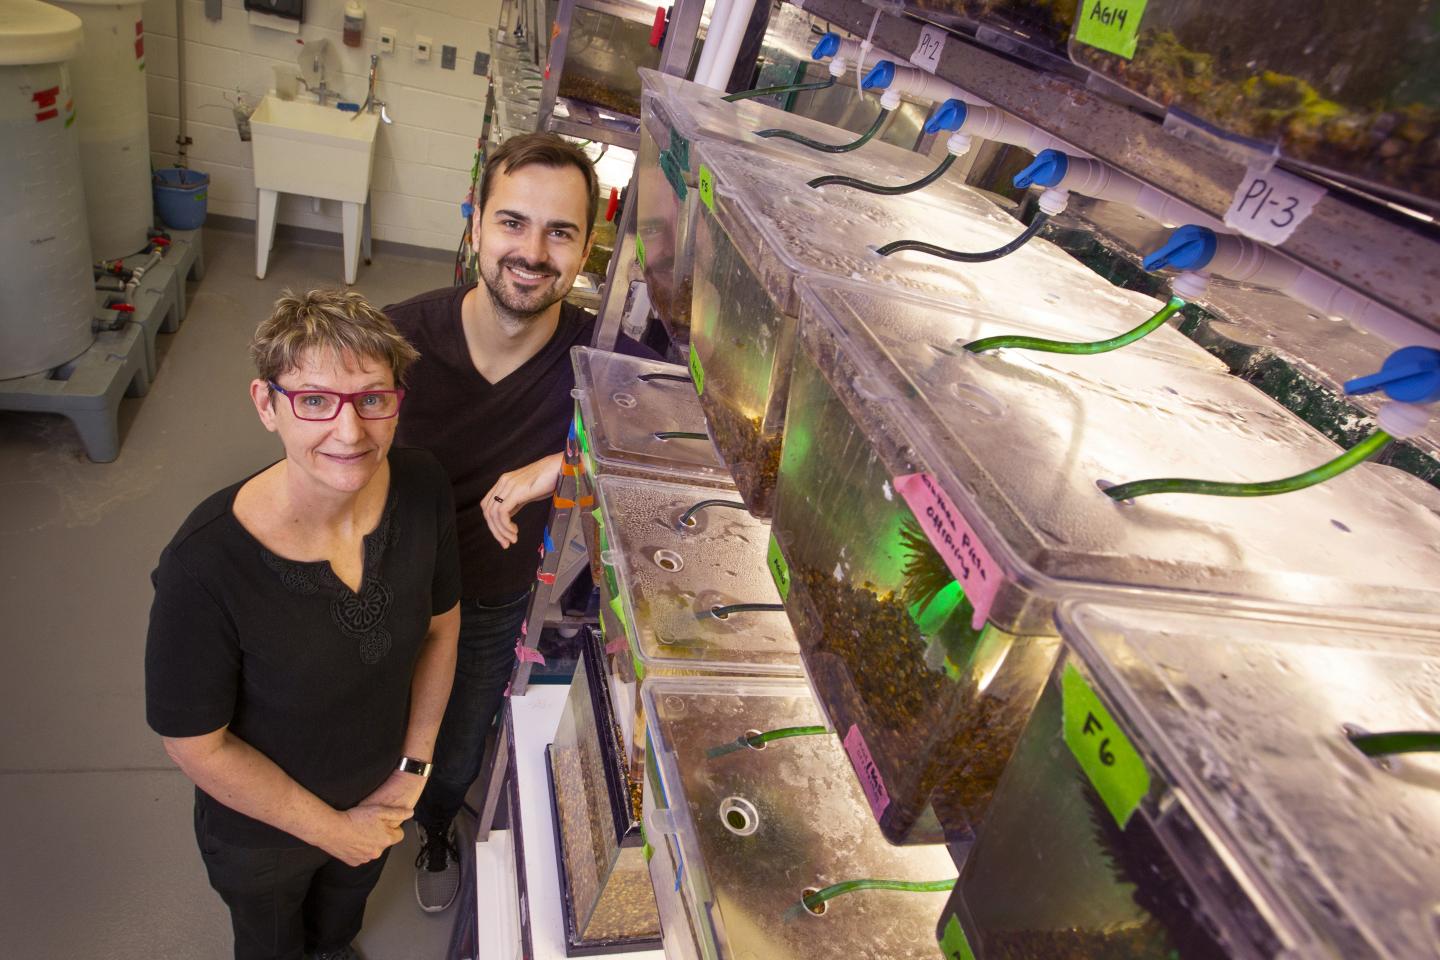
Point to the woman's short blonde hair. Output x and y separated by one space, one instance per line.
339 322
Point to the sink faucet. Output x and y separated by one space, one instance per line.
317 67
370 102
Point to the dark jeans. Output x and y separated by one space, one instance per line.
286 902
482 671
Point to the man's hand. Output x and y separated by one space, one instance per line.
514 490
400 789
363 833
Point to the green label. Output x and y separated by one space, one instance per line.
1102 748
1110 25
697 372
779 569
707 187
640 250
953 944
580 431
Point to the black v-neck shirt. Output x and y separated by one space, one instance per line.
479 429
309 672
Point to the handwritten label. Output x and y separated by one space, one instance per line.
640 250
779 569
951 534
1104 752
1270 203
929 48
707 187
697 372
953 944
870 780
1110 25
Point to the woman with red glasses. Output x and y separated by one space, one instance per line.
302 638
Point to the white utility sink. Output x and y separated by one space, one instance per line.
313 151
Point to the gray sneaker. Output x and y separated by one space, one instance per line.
347 952
437 868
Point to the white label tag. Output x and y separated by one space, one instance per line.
1270 203
928 49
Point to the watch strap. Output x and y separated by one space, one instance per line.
410 765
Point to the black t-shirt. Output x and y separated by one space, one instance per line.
300 667
480 429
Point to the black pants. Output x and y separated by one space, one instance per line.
286 902
483 666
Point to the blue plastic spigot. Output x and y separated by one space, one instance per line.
1410 375
1189 248
1046 170
880 76
950 115
828 46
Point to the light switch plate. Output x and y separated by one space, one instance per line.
447 57
423 45
387 39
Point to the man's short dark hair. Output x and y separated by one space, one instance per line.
548 150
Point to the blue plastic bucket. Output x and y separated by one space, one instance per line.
180 197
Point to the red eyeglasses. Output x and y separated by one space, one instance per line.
326 404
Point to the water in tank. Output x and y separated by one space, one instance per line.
114 124
46 289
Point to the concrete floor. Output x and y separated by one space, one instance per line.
96 840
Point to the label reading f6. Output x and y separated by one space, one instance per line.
707 187
1104 752
929 48
1270 203
1110 25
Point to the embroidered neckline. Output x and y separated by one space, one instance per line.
360 615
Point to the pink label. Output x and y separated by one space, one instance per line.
977 572
616 645
527 655
870 780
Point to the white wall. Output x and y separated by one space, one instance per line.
422 160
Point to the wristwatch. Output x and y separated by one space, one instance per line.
418 767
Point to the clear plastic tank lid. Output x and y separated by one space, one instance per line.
1249 718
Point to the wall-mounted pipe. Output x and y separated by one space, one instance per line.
898 81
1199 251
708 51
728 49
1062 174
987 123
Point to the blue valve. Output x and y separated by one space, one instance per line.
1046 170
1410 375
950 115
1189 248
828 46
881 75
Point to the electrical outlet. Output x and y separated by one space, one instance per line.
423 46
447 57
387 39
482 63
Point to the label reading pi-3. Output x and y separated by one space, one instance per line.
951 534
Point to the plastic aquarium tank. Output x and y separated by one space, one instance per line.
1018 26
606 890
666 581
640 418
608 40
739 838
1348 88
765 228
677 114
900 445
1235 817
